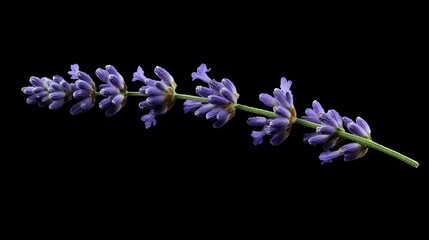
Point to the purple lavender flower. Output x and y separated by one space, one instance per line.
282 104
325 134
53 92
60 92
222 98
114 89
351 151
331 122
313 114
39 91
160 94
74 70
85 91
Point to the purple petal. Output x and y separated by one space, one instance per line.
81 106
203 110
112 70
55 87
327 156
164 75
85 77
55 105
145 105
355 155
42 94
83 85
325 129
215 86
268 100
279 138
282 112
257 121
115 81
279 122
204 91
110 91
57 96
223 117
86 103
102 74
328 120
357 130
289 99
153 91
217 100
118 99
228 95
156 100
319 139
280 96
347 121
361 122
310 112
32 99
285 84
337 117
161 86
105 103
317 107
351 147
139 75
38 90
201 74
37 82
191 106
57 79
258 136
229 85
80 94
149 120
74 69
213 113
44 100
27 90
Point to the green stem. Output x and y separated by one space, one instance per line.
134 94
342 134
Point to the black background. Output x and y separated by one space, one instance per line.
361 61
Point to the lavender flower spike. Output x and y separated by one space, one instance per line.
160 94
85 91
222 98
282 104
351 151
38 92
114 89
331 122
60 92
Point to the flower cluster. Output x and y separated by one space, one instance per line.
85 91
45 91
221 98
160 94
113 88
282 105
330 124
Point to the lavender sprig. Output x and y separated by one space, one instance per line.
218 102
